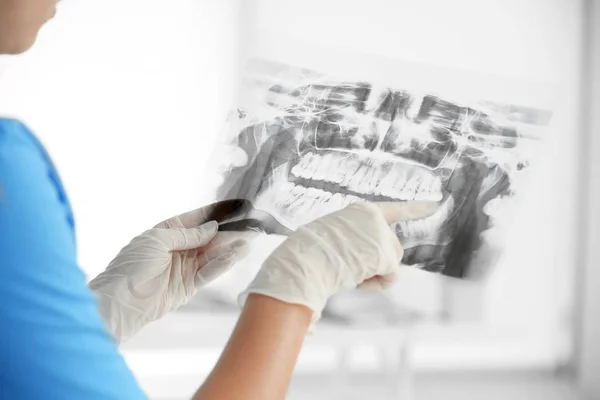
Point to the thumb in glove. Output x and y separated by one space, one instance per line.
179 239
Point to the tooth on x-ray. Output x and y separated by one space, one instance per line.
317 144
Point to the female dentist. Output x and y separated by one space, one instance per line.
59 337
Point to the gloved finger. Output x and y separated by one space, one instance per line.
220 211
226 240
187 238
214 269
225 237
379 282
407 210
371 218
239 247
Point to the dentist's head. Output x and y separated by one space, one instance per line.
20 21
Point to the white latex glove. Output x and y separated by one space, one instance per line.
163 268
350 247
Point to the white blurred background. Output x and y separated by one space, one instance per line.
130 95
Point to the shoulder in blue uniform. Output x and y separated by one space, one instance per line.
53 343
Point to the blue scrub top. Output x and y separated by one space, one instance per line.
53 343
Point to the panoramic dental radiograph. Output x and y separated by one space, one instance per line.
313 144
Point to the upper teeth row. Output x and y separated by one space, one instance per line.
349 172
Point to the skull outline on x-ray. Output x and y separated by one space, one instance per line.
330 144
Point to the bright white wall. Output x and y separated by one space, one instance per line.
128 96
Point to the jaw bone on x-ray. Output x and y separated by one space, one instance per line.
316 143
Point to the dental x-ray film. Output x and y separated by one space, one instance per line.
318 135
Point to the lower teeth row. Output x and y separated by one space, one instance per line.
306 204
412 190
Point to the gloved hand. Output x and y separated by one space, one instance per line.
162 269
352 247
